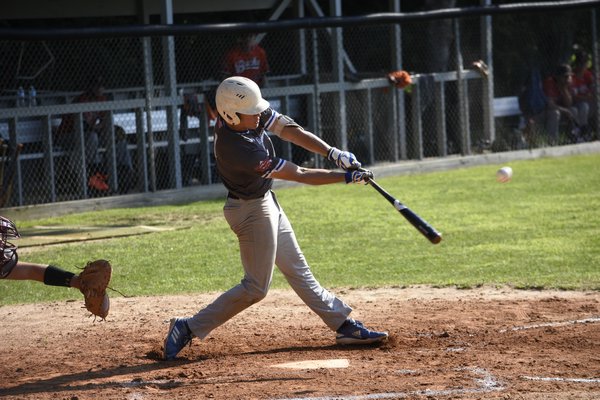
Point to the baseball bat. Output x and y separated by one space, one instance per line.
419 223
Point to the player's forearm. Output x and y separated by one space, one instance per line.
309 176
319 176
305 139
28 271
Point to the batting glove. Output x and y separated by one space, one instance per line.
361 176
343 159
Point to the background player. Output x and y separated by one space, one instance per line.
247 166
247 58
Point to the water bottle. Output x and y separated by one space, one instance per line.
20 97
32 97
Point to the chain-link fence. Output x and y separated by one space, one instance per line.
123 114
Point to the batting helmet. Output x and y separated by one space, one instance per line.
239 95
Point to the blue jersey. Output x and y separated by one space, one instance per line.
245 160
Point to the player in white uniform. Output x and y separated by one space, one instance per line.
247 166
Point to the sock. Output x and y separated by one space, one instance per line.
54 276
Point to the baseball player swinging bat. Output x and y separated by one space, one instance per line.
419 223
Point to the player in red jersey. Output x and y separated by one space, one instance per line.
248 59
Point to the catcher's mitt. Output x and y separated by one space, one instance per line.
400 79
93 282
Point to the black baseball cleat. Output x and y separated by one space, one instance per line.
354 332
179 335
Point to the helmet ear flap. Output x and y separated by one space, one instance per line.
231 119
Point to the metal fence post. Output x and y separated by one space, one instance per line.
462 94
489 124
440 118
205 161
316 97
149 136
174 149
596 58
49 170
338 75
143 153
417 123
400 104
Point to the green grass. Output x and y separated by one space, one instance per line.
542 230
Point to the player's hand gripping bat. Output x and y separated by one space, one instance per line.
419 223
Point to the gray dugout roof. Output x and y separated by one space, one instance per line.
43 9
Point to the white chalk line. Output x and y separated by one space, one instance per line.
487 383
557 379
552 324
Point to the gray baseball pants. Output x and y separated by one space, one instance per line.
266 239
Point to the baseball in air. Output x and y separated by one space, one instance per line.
504 174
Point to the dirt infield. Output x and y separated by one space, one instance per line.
445 344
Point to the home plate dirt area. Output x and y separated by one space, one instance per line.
485 343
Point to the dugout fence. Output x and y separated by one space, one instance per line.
328 71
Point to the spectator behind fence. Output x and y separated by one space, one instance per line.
560 93
583 87
95 127
541 119
125 175
248 59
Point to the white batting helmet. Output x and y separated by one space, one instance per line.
237 94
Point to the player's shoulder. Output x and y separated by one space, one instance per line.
267 118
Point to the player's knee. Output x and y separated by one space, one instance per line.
254 294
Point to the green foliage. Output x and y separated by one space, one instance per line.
539 231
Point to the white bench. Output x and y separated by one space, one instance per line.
159 121
31 130
506 106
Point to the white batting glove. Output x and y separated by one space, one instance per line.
343 159
358 176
